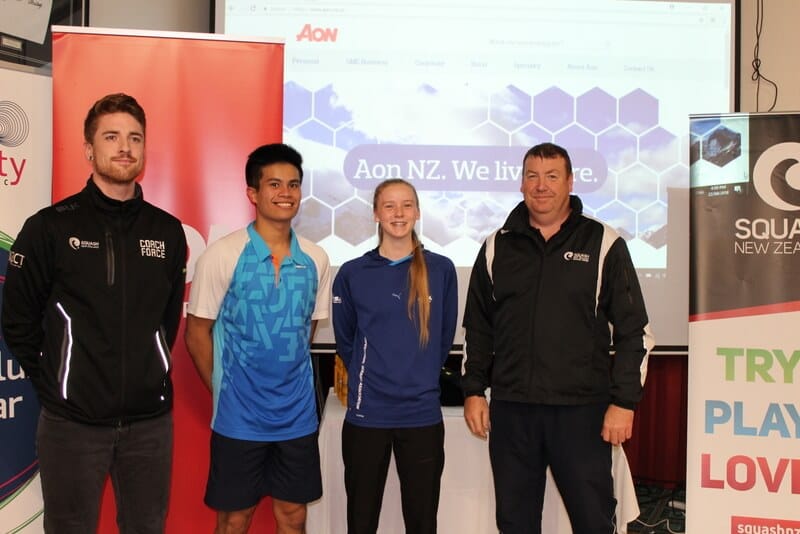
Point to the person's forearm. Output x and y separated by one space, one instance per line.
204 364
200 344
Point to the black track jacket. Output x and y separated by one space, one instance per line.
539 316
92 303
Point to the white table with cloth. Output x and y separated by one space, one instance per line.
466 505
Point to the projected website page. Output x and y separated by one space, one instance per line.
449 95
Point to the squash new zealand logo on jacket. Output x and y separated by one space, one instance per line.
76 243
577 256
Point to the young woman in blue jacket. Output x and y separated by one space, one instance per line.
394 317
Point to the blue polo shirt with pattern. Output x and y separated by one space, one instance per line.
263 381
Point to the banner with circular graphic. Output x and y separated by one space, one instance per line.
743 468
25 161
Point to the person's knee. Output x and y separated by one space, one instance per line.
289 515
234 522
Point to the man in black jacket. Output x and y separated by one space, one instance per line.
544 290
91 307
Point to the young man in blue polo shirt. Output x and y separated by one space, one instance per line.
255 299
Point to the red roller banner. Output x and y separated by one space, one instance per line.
210 100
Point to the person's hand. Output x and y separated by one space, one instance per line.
476 414
617 424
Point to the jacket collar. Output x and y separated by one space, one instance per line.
110 205
518 220
374 255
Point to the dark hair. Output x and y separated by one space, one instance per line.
549 151
267 155
114 103
419 292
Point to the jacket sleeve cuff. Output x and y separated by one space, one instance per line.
624 404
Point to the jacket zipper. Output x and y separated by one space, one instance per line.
543 272
124 320
109 258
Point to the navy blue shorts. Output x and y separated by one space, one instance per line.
242 472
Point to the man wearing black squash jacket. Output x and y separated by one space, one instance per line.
546 292
91 307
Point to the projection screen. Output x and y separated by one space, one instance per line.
450 94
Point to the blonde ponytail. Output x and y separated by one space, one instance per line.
419 291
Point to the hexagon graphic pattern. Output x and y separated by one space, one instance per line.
553 108
638 111
510 109
659 149
354 222
643 158
596 110
721 146
316 220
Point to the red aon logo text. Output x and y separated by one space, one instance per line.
317 35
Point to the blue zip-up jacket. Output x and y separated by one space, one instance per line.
392 381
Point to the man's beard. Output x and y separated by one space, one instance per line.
113 174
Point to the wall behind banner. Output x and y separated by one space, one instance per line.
777 36
200 128
174 15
